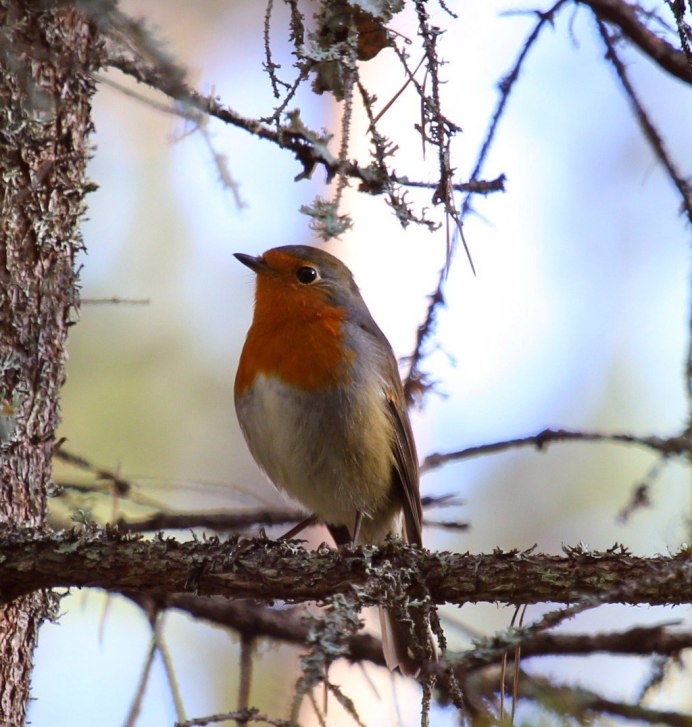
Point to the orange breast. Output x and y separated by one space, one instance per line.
296 335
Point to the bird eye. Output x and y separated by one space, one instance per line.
306 275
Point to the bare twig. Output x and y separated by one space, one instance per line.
136 705
275 118
446 524
247 648
416 384
672 446
245 716
173 685
580 705
220 162
641 494
440 131
637 641
269 65
219 521
242 519
121 487
658 670
650 132
492 650
171 109
381 149
115 301
199 121
585 705
626 17
479 186
392 100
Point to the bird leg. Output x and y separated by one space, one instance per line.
356 529
310 520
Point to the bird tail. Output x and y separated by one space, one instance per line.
396 638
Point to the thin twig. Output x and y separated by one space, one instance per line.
350 79
383 148
396 95
173 685
641 495
415 384
588 707
650 132
136 705
199 120
672 446
269 65
115 301
219 521
478 186
120 486
275 118
244 717
441 132
626 17
242 519
491 650
247 648
171 109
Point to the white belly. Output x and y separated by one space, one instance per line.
331 453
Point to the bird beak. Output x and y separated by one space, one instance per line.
256 264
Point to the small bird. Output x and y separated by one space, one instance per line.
321 405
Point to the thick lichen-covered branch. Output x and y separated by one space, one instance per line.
266 570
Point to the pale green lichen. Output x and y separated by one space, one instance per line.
326 221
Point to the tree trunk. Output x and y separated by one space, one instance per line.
45 93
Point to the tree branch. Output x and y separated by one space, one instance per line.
624 15
251 620
637 641
582 705
667 446
586 706
266 570
238 520
650 132
251 517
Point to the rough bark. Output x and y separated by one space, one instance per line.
45 95
266 570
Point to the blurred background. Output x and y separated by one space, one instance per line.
577 318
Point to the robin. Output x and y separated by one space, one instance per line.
320 403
